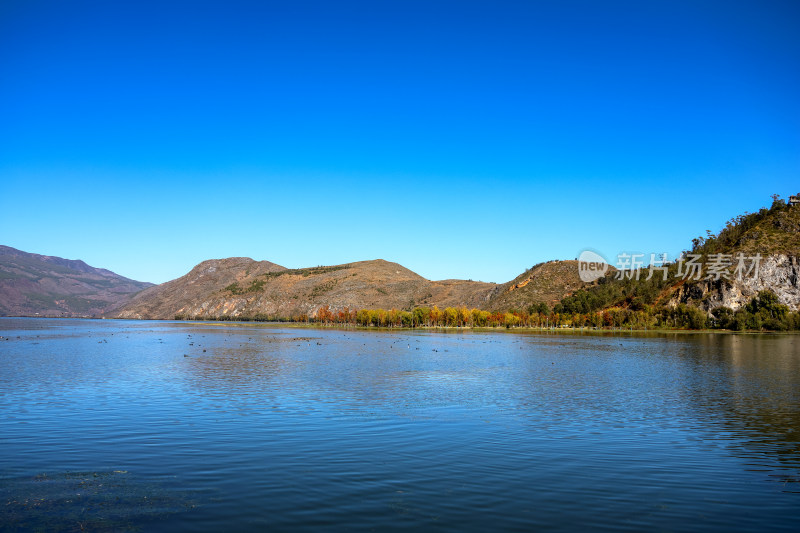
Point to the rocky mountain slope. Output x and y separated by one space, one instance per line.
41 285
242 287
546 283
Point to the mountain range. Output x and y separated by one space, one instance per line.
240 287
36 285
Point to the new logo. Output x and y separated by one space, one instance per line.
591 266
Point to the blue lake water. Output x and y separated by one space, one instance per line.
158 426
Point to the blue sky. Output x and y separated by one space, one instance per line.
460 139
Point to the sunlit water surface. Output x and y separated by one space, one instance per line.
158 426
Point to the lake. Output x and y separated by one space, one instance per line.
158 426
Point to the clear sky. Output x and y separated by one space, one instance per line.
460 139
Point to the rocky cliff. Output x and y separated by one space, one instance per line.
777 273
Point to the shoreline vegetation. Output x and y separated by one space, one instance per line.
231 321
762 314
568 330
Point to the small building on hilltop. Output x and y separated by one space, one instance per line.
794 200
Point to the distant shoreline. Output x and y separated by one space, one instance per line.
442 329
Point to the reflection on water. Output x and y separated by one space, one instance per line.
752 394
293 428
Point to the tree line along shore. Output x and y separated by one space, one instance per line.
762 313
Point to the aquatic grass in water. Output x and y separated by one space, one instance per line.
86 501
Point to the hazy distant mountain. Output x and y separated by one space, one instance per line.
42 285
